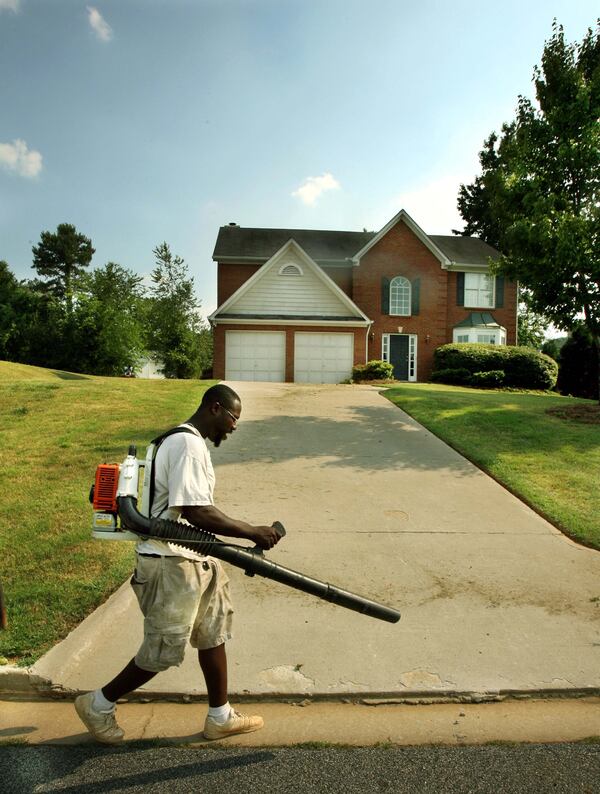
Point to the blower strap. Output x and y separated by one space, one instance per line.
157 442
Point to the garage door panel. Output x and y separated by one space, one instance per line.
323 357
255 355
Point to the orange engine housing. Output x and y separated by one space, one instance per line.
105 487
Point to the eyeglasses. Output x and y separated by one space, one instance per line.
235 419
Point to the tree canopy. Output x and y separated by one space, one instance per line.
537 198
61 257
175 334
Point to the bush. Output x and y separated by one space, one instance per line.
373 370
578 365
524 367
492 379
457 376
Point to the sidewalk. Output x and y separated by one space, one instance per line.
493 598
359 725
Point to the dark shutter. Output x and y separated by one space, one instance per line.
385 295
415 295
499 292
460 289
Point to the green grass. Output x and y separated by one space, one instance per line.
551 463
55 428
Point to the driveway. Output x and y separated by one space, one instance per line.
493 598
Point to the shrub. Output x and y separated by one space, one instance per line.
524 367
457 376
492 379
578 365
373 370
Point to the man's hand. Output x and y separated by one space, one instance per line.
265 537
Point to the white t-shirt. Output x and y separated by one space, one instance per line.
183 477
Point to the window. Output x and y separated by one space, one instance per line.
290 270
479 290
482 336
400 296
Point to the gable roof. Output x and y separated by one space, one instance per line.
239 244
342 248
337 307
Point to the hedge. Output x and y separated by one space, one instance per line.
373 370
523 367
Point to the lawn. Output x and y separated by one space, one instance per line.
549 461
55 428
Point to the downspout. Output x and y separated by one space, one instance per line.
370 325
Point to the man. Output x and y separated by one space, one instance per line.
184 596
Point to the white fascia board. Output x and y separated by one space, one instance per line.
268 321
463 267
414 227
291 244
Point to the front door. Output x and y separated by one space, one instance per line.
398 356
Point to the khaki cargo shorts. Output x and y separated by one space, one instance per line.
180 600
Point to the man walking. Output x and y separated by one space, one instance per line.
183 595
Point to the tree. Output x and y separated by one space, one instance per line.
29 322
108 322
530 328
578 366
61 258
538 196
173 318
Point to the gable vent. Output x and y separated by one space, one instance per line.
290 270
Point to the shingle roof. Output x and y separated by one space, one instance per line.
464 250
237 243
477 320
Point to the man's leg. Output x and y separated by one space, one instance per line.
97 709
222 720
213 662
130 678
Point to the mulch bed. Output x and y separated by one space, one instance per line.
589 414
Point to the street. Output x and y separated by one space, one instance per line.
490 769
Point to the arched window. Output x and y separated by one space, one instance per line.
290 270
400 296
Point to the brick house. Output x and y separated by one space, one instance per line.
306 306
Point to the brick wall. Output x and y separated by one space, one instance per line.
401 253
230 278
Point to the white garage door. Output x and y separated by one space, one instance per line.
323 358
255 355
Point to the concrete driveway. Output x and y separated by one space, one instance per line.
493 598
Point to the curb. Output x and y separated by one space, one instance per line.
24 683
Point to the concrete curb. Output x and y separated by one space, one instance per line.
23 681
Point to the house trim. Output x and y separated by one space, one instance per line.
290 320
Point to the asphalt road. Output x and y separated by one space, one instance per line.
493 769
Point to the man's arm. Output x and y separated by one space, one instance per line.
211 519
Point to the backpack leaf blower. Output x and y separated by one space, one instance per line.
114 497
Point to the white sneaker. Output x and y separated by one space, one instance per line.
237 723
102 725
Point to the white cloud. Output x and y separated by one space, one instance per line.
314 186
10 5
431 204
99 25
16 156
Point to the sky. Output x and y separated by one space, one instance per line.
143 121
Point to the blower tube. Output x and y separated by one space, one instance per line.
252 561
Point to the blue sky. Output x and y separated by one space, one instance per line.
148 120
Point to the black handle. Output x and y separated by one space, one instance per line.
280 530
